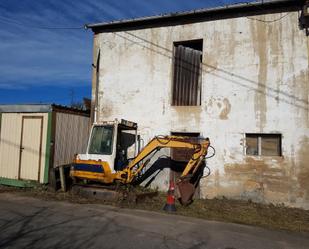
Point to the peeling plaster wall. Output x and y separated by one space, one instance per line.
255 80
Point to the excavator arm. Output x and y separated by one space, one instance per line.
97 170
200 151
185 185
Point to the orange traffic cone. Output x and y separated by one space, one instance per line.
170 200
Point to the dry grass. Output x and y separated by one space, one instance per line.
236 211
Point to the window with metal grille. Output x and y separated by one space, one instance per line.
263 144
187 73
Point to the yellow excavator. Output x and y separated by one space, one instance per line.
106 160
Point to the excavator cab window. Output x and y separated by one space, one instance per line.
101 140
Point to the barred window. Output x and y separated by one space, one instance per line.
187 73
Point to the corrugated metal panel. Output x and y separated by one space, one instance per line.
31 148
187 77
71 136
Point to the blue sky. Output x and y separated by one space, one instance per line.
39 64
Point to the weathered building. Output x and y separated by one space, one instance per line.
34 139
237 74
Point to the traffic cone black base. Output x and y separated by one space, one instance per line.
169 208
170 200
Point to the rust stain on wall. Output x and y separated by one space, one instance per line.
303 166
301 99
232 44
226 109
163 107
153 49
308 48
276 55
212 184
106 110
209 63
187 114
219 107
259 36
257 178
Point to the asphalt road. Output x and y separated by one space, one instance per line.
32 223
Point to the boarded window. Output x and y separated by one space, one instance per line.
182 154
187 73
263 144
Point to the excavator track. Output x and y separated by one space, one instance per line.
111 193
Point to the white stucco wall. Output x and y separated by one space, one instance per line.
255 80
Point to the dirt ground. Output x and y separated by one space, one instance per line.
235 211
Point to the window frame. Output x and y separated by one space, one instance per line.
260 137
90 145
198 43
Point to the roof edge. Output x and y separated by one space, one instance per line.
25 108
42 108
222 12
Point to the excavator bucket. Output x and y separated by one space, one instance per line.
186 192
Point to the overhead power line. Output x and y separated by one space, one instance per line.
269 21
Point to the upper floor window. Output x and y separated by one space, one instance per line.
263 144
187 76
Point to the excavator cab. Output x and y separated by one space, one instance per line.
111 142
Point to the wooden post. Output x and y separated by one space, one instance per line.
62 178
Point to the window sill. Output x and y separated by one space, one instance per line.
186 106
262 158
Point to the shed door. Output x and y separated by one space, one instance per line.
31 147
